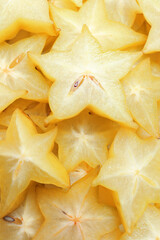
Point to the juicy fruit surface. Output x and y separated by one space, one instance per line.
79 120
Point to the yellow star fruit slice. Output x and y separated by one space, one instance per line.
84 138
147 227
75 214
23 159
111 35
63 4
32 16
132 172
151 11
123 11
141 91
17 71
87 77
24 222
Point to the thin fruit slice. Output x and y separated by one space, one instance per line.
123 11
32 16
141 94
23 159
87 77
17 71
132 172
111 35
147 227
84 138
151 11
24 222
75 214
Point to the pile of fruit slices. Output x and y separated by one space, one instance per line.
79 120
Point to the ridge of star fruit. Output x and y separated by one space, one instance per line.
84 72
23 160
32 16
132 173
111 35
76 213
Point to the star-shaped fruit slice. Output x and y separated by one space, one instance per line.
123 11
151 11
132 172
147 227
75 214
87 77
32 16
111 35
141 90
24 222
84 138
17 71
23 159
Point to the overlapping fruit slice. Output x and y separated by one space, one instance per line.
147 227
75 214
111 35
123 11
22 223
29 15
87 77
17 71
23 159
132 172
142 90
84 138
151 11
